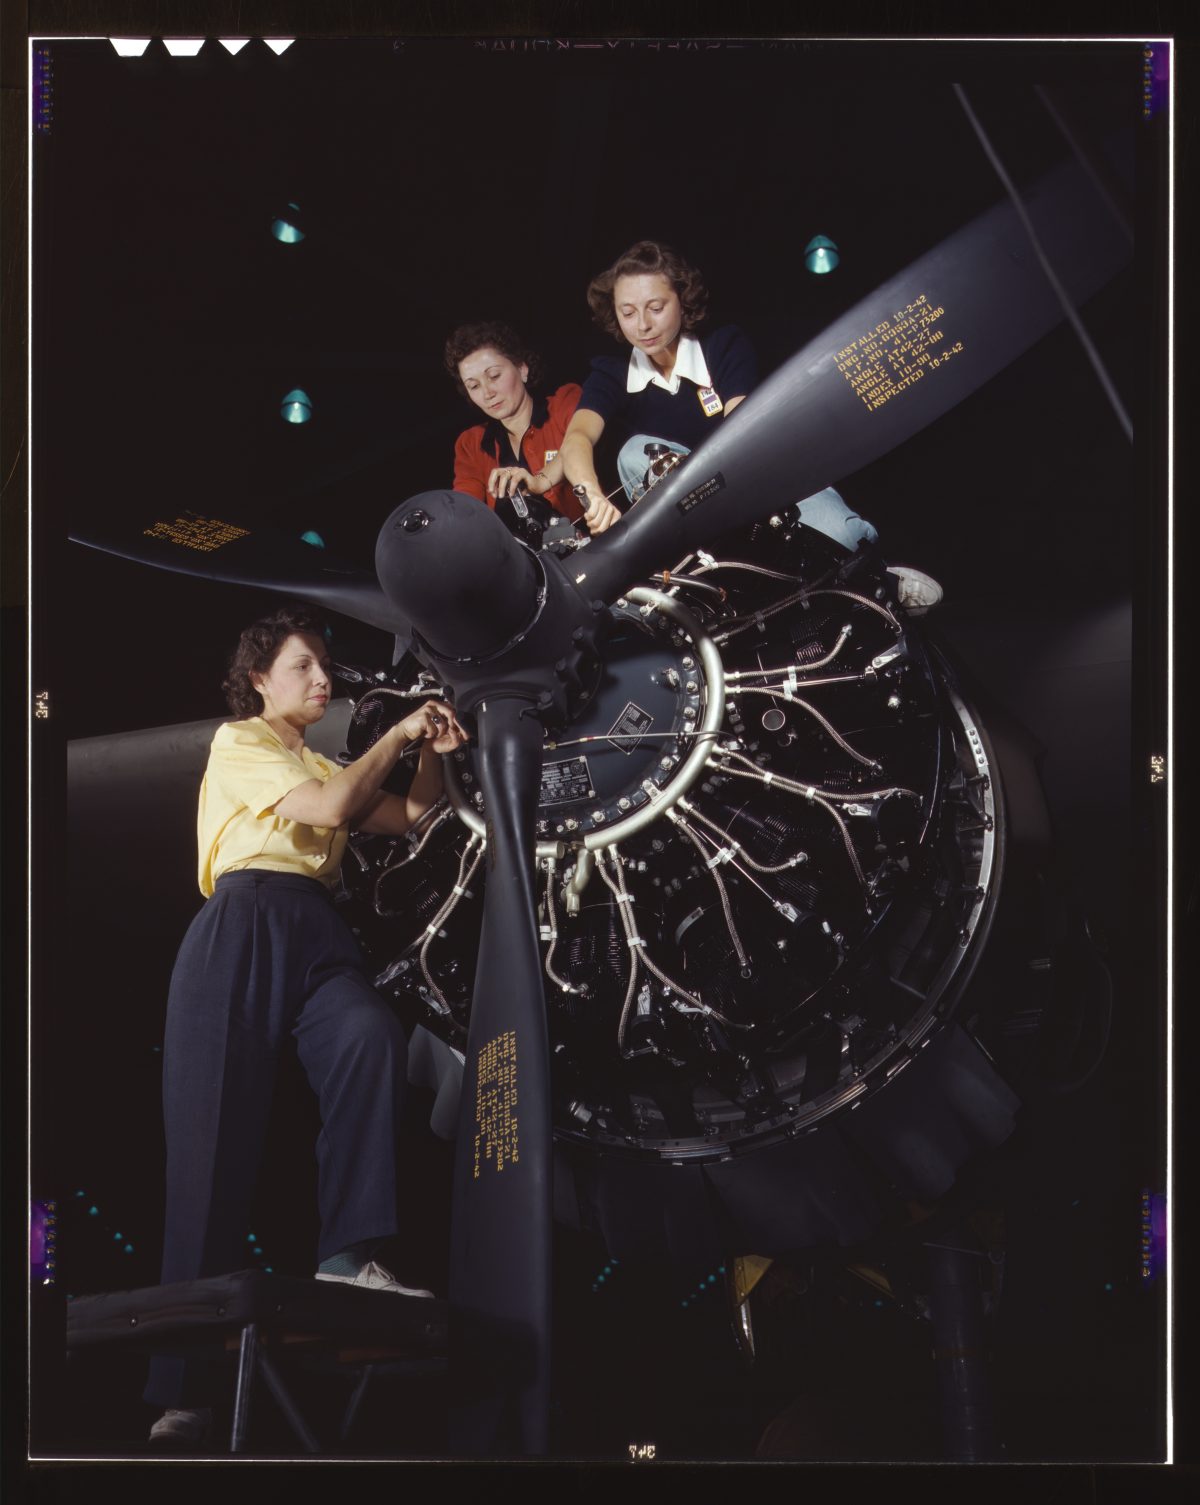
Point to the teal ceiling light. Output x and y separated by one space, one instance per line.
296 406
821 255
286 226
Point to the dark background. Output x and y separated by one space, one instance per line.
442 181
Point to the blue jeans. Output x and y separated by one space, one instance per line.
824 510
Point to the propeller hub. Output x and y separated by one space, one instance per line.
493 619
641 732
454 571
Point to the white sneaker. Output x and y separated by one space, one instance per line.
373 1277
182 1426
915 592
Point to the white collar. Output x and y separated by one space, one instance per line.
689 362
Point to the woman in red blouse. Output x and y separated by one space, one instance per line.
519 442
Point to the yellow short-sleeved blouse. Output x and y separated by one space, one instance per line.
249 771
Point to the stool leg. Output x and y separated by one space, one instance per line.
247 1362
355 1400
286 1404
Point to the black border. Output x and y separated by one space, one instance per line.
469 17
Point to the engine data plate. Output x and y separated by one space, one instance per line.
565 780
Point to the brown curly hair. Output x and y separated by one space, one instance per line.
256 651
468 338
649 257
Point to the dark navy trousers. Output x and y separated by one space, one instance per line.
268 958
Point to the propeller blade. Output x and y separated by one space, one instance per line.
897 361
212 548
500 1271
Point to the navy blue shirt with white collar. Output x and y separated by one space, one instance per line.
676 416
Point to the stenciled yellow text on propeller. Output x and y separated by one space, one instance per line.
194 532
899 352
496 1103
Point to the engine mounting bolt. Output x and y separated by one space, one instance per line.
775 520
893 702
623 803
597 815
688 662
664 762
692 686
689 713
572 825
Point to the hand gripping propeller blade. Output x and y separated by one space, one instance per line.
897 361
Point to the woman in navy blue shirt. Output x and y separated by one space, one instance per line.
675 386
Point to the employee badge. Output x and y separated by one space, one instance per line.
709 401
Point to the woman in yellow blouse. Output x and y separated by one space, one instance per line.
268 958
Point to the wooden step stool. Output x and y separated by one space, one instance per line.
257 1316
